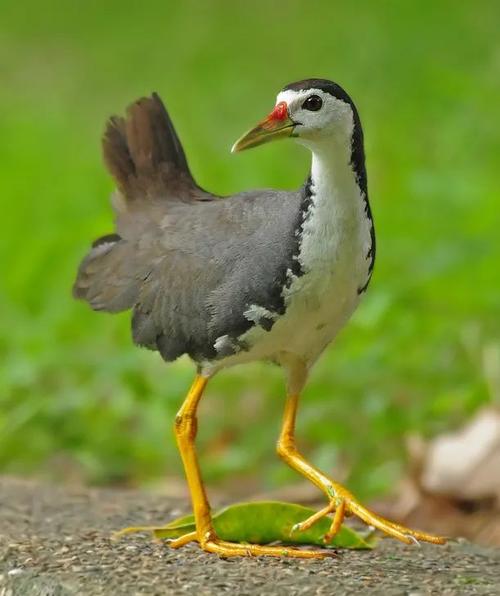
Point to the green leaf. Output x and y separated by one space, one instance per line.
267 521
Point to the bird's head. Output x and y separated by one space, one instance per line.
313 110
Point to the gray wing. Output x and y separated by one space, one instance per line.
217 259
189 265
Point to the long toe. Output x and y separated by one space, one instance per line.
310 521
233 549
390 528
182 540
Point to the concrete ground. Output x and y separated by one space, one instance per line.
56 541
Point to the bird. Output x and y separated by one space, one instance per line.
262 275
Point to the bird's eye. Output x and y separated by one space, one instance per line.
313 103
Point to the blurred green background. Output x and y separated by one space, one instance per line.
420 355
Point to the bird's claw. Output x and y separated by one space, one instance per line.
343 504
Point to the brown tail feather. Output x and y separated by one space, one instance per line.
143 152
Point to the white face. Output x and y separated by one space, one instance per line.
318 115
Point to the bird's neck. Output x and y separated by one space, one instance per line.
333 176
337 226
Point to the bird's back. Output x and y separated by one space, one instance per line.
187 263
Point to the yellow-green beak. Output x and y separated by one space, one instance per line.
276 126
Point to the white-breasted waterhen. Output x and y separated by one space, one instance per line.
262 275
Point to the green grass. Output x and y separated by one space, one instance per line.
423 351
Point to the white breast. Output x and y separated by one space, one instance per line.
334 249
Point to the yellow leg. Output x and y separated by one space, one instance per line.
341 501
185 432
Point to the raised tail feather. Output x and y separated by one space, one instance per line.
145 157
143 152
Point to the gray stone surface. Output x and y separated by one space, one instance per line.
56 541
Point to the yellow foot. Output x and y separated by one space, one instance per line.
234 549
343 503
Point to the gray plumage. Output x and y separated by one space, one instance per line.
187 263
